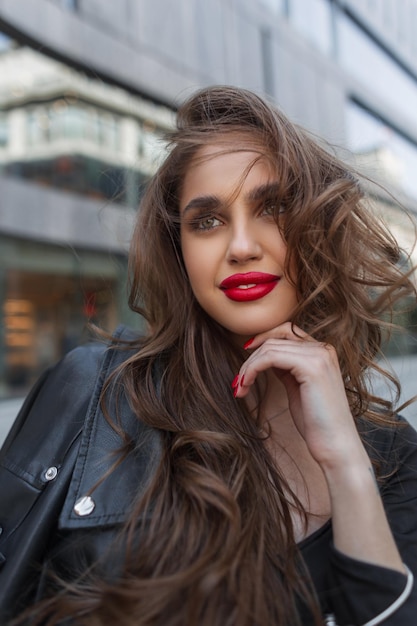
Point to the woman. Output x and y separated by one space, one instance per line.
235 468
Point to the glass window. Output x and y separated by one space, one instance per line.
52 141
4 130
390 14
277 6
392 157
74 122
108 131
150 143
6 43
32 128
71 5
372 66
413 29
38 126
56 119
388 158
63 130
314 20
92 124
44 316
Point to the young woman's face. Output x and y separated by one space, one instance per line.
232 248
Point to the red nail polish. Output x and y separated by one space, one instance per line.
235 381
248 343
241 380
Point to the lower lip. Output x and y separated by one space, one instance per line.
253 293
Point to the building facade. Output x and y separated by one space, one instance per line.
87 89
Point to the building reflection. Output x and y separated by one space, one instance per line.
62 131
76 151
60 128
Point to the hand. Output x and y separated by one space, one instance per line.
317 400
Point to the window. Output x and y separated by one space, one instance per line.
38 126
372 66
394 156
150 143
32 305
4 134
6 43
277 6
59 120
76 134
108 131
70 5
313 19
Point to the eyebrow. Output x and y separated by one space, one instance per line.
264 191
213 202
202 202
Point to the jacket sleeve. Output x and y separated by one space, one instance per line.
36 464
368 594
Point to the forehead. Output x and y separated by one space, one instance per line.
229 145
224 167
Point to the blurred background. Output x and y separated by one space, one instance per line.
87 88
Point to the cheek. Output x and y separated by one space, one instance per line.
195 266
200 276
199 259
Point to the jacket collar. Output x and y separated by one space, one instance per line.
105 483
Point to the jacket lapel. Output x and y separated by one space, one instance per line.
106 481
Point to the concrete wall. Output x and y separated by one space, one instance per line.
166 49
53 216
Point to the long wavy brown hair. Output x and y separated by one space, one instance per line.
211 542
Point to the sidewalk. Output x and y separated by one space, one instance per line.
406 370
8 411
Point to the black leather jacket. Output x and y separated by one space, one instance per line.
55 514
43 477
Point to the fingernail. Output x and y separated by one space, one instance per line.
238 383
235 381
248 343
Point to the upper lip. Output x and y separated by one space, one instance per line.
248 278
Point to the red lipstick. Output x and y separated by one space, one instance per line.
249 286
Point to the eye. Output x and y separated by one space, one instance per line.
205 223
209 222
270 208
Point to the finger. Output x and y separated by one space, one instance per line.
305 361
281 359
284 331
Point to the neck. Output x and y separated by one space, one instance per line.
274 409
304 478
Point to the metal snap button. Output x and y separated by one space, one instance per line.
84 506
51 473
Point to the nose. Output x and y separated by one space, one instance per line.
243 245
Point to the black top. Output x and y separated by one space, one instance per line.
62 427
356 592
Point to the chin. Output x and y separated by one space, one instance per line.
242 334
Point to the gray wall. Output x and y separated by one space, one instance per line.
53 216
165 49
